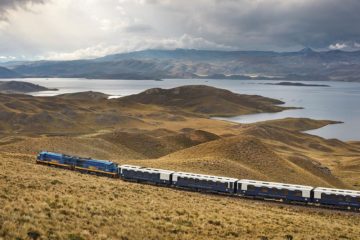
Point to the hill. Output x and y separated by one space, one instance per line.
169 129
90 111
326 156
159 142
21 87
85 96
206 100
188 63
297 84
244 157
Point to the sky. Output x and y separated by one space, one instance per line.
78 29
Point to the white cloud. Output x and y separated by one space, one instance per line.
338 46
84 53
135 44
7 58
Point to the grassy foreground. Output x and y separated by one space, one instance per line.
48 203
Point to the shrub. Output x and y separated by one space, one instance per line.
289 237
54 182
34 235
75 237
213 222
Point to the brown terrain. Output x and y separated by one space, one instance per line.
170 129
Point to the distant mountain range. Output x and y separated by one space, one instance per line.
181 63
6 73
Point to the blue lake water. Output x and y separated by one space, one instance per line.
340 102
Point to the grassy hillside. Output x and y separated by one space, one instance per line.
207 100
60 204
162 128
87 112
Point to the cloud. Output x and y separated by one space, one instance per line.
93 27
7 58
338 46
134 44
6 5
139 28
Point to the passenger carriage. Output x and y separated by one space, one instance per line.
274 190
143 174
337 197
204 182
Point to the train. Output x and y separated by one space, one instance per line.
262 190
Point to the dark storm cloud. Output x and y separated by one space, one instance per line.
282 23
72 29
6 5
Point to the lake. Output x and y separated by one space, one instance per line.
339 102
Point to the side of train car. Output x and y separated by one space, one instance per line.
291 193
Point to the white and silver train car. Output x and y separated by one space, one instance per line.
143 174
204 182
274 190
338 197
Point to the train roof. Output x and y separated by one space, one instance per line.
276 184
50 153
105 162
145 169
205 177
337 191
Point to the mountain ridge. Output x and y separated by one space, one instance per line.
305 64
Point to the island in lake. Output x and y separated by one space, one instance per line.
21 87
297 84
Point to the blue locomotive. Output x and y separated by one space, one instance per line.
290 193
87 165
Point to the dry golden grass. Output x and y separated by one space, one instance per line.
60 204
83 146
243 157
325 158
48 203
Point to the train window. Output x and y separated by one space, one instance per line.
341 198
264 190
298 193
332 196
348 199
272 190
251 188
285 192
358 199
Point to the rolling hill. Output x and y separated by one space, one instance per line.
169 129
88 111
21 87
206 100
